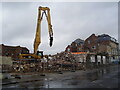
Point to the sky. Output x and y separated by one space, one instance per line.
70 20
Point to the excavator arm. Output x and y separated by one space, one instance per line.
39 54
37 41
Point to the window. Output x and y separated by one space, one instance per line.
76 45
7 54
68 49
29 56
88 41
40 54
94 47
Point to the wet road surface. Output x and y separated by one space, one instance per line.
106 77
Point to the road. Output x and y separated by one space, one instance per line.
106 77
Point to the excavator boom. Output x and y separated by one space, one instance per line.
41 12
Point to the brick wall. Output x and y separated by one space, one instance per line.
12 51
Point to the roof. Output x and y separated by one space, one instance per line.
106 37
13 46
79 41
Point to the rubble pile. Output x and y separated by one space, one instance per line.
59 62
52 63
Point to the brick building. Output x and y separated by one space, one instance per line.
76 46
90 44
100 45
103 45
12 51
109 45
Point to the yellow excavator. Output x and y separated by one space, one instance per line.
39 54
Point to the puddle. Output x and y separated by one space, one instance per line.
66 79
92 76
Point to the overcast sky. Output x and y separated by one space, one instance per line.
70 20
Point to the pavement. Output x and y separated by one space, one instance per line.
106 77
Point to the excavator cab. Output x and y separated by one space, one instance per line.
40 53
